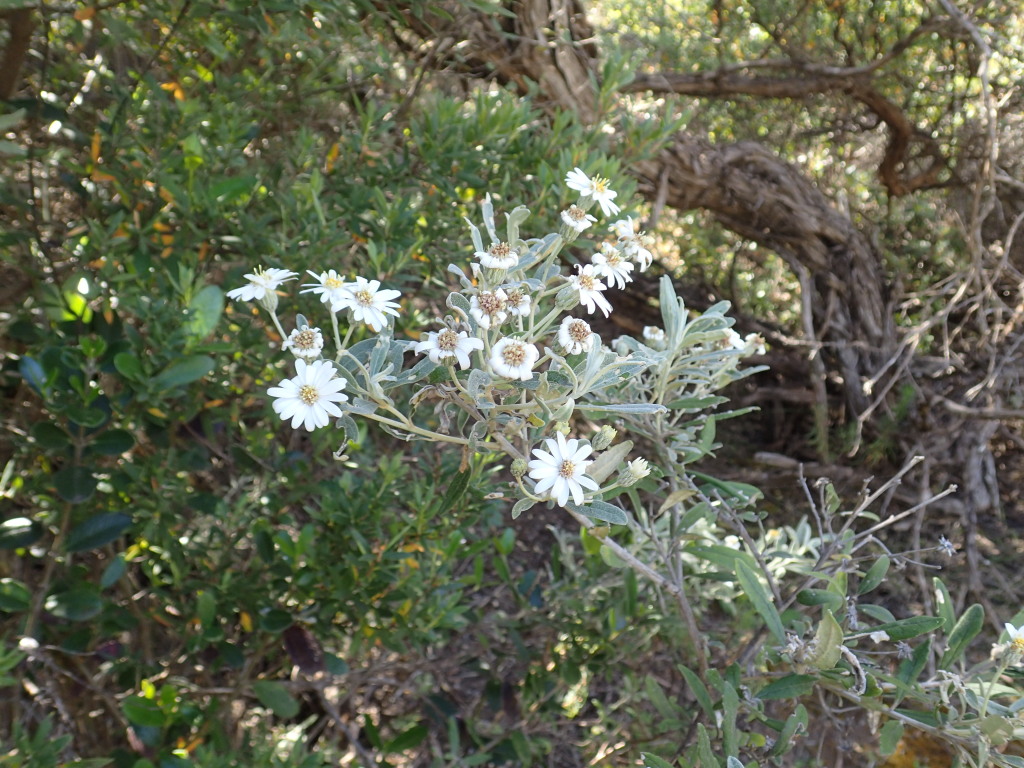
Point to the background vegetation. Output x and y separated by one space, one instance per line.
184 580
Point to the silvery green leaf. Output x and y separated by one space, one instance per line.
300 320
457 270
421 370
458 302
539 249
478 243
521 506
379 355
633 408
529 384
475 384
719 308
609 461
601 510
564 411
706 328
557 379
360 350
359 406
349 427
519 214
533 285
673 313
488 211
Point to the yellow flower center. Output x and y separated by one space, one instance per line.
579 331
515 297
305 339
308 394
447 340
600 185
576 213
364 297
501 250
333 282
514 354
586 282
566 469
490 303
1017 643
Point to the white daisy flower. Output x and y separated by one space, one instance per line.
577 219
368 303
499 256
517 301
612 264
590 289
441 346
559 470
750 344
593 189
262 285
654 336
309 398
514 359
575 336
1016 637
623 227
329 286
636 245
489 308
305 343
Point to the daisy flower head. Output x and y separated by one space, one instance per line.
489 308
517 301
636 245
329 286
1016 638
634 471
305 343
369 304
592 189
575 336
309 398
612 264
499 256
590 288
654 336
514 359
262 286
576 220
559 470
442 346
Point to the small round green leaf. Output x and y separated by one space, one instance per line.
141 711
19 532
14 596
75 484
77 604
49 436
112 442
276 698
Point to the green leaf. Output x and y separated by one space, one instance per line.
275 697
759 597
601 510
875 575
697 403
627 408
112 442
798 720
408 739
49 436
97 531
910 669
904 629
704 752
827 645
652 761
890 737
276 620
15 597
75 484
521 506
609 461
143 711
184 372
79 603
820 597
970 624
128 365
699 690
19 532
113 572
788 687
943 602
456 488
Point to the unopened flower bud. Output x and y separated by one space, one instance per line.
269 301
518 468
604 437
562 426
568 297
635 471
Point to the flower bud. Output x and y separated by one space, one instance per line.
269 301
568 297
604 437
635 471
518 468
562 426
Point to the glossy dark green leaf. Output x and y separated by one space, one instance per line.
408 739
142 711
275 697
19 532
874 576
97 531
128 365
788 687
966 629
276 620
49 436
820 597
112 442
908 628
183 372
15 597
77 604
456 488
90 418
75 484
